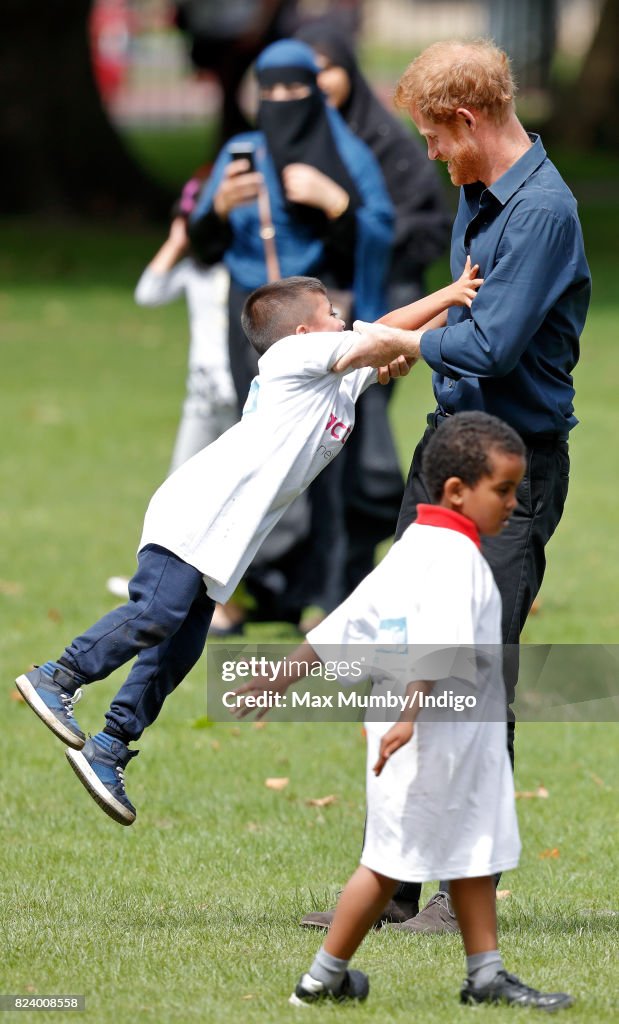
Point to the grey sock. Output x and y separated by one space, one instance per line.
483 967
443 887
330 970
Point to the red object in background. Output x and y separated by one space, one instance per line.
110 28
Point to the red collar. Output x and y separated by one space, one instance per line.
438 515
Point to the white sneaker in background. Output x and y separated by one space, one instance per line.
118 586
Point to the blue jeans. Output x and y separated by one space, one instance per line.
165 622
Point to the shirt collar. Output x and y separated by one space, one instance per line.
448 519
513 179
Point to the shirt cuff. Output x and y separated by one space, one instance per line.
431 342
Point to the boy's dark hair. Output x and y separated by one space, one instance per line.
461 447
275 310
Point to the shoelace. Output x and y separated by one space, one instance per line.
443 900
121 776
516 982
70 701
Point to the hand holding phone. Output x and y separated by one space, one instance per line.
243 151
237 186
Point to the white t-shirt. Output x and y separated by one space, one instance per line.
206 292
217 508
443 806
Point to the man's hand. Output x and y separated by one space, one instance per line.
237 187
380 346
398 735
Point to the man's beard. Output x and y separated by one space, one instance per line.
463 165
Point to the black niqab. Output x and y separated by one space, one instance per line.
298 131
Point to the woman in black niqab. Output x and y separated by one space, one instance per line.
423 222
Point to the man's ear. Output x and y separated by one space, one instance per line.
467 117
453 492
302 329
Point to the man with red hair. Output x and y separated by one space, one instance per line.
512 353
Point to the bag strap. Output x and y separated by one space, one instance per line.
267 234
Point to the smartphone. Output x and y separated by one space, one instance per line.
243 151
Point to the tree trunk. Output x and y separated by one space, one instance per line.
586 118
61 154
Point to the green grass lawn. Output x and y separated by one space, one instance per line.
192 913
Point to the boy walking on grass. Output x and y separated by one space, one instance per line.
207 520
440 795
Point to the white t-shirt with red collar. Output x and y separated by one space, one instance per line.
443 806
217 508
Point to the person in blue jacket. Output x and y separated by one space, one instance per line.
312 193
329 207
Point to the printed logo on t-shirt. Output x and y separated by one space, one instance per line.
391 636
337 429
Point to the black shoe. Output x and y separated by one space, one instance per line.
506 988
355 986
396 912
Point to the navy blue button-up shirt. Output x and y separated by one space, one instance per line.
513 353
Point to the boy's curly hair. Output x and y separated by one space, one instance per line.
461 447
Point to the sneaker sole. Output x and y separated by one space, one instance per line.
295 1001
97 790
118 586
468 1000
322 925
40 708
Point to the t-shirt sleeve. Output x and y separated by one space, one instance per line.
323 350
155 289
306 355
343 637
358 381
323 356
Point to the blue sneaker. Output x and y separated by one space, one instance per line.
102 772
52 698
355 986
